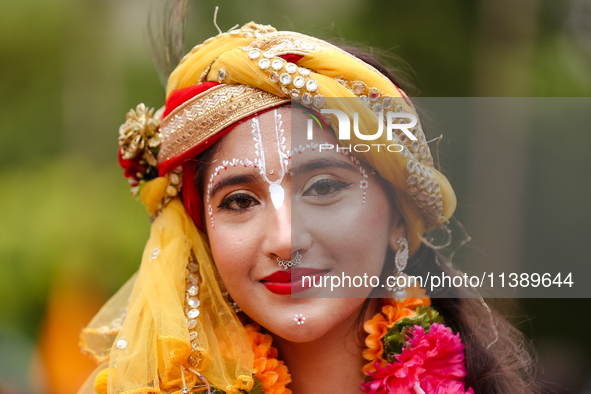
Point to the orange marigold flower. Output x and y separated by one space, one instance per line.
272 373
378 326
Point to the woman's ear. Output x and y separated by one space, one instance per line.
397 231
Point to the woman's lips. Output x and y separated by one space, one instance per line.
290 282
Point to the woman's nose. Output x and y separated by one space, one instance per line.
285 234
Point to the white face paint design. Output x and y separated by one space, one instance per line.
314 147
275 189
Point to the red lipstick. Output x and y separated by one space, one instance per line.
283 282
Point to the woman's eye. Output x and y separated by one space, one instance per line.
238 202
325 187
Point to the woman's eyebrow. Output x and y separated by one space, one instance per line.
233 180
321 163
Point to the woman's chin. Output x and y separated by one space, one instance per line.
300 334
311 320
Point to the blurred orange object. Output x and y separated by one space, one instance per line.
71 305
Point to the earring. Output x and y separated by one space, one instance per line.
233 303
400 262
287 264
226 294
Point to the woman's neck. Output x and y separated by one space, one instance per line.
331 363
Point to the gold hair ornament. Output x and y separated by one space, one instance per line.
139 135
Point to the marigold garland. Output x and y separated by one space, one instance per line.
272 373
378 326
410 324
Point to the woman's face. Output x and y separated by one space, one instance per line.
271 195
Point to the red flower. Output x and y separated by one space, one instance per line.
132 167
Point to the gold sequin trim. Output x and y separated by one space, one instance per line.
289 42
209 113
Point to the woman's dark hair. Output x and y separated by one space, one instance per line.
498 356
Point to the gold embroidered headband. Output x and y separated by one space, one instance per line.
207 114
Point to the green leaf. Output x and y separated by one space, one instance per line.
395 338
257 388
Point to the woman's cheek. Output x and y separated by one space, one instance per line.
356 235
339 221
232 253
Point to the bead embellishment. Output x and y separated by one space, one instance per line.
192 303
121 344
319 101
222 75
155 253
291 68
312 85
299 319
299 82
277 64
304 72
307 99
264 64
192 289
285 79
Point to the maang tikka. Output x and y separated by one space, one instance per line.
400 278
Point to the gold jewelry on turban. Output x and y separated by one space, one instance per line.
143 333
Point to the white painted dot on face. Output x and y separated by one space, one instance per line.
277 195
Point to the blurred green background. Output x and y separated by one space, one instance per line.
70 235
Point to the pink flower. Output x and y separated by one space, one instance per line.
431 363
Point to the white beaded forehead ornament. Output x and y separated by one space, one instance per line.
276 191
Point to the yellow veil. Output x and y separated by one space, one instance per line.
147 341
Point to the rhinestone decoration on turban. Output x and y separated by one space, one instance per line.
149 337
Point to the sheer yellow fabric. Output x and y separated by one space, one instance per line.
146 353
